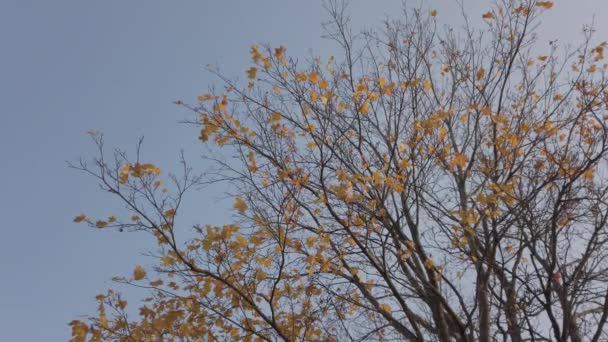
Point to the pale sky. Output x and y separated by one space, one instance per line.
69 66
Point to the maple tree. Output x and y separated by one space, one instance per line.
429 185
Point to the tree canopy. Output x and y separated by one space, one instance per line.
426 184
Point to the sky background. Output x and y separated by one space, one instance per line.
116 66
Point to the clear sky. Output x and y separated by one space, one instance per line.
68 66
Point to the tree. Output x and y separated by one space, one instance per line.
427 185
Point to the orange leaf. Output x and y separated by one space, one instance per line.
488 15
481 73
252 72
139 273
80 218
545 4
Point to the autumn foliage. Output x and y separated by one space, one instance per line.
426 185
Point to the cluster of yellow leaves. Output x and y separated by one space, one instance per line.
458 160
217 235
257 57
210 126
350 187
137 170
99 223
79 331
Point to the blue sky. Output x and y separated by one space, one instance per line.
69 66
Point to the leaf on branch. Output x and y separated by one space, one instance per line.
240 205
545 4
139 273
252 72
80 218
488 15
427 86
481 73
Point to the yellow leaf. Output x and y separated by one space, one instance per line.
124 174
364 108
253 167
170 213
359 222
313 77
241 241
101 224
433 13
207 97
301 77
314 96
341 107
310 241
427 86
279 54
252 72
545 4
266 262
324 99
156 283
79 331
275 117
459 160
385 308
240 205
276 90
485 110
377 178
103 320
588 174
80 218
442 133
481 73
323 84
139 273
381 82
256 56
